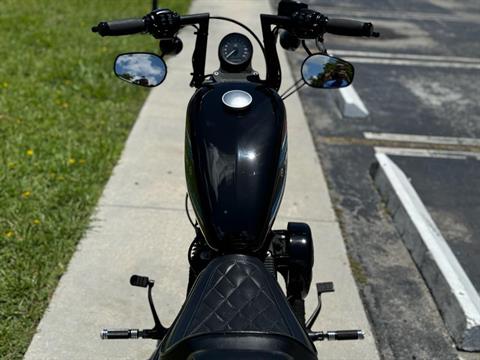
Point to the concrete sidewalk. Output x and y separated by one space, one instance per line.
140 224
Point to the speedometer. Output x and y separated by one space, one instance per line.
235 52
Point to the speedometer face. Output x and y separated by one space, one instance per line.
235 52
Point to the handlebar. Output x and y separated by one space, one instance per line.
310 24
305 23
120 27
350 28
295 17
161 23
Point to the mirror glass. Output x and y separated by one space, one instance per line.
142 69
327 72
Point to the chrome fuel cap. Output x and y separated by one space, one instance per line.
237 99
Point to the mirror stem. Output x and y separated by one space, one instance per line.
294 90
291 87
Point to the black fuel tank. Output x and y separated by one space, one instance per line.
235 164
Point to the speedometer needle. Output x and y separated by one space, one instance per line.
231 53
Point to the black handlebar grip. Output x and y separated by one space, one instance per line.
120 27
350 28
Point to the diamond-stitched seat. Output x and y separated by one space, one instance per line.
235 293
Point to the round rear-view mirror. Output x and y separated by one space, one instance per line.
327 72
144 69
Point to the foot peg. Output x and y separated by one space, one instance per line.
322 288
120 334
158 331
337 335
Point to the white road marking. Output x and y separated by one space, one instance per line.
420 63
363 15
351 104
428 153
460 285
442 140
375 54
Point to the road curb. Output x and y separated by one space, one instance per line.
457 299
350 104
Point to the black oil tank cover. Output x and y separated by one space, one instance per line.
235 162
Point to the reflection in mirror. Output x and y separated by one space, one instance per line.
142 69
327 72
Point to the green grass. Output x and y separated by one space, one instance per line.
358 272
64 118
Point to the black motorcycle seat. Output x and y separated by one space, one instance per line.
235 294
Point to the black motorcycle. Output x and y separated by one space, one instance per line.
235 307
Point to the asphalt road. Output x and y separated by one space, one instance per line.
457 210
430 88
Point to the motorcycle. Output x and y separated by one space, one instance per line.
235 307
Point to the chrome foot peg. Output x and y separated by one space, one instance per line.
120 334
336 335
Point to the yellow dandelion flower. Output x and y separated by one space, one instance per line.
9 233
26 194
29 152
36 222
71 161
